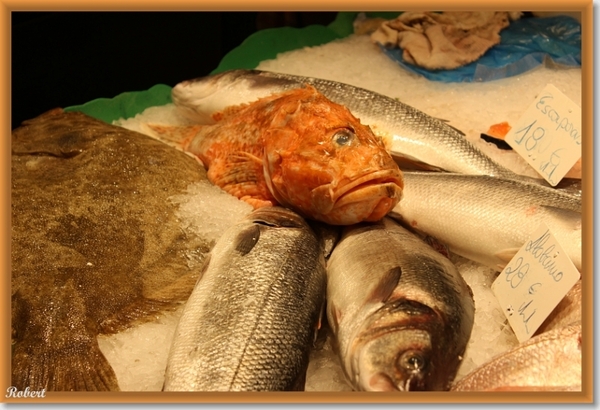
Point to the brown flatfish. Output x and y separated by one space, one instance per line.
96 244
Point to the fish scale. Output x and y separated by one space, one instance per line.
488 219
400 311
266 279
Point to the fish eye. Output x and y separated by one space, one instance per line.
343 137
412 361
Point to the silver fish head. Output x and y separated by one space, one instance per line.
404 351
200 98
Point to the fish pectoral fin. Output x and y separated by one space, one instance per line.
408 163
386 286
174 135
241 175
505 255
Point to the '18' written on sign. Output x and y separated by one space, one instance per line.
548 134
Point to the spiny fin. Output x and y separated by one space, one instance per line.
177 136
228 111
241 175
386 285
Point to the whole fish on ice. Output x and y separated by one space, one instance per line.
411 135
488 219
96 245
251 319
401 312
299 150
550 361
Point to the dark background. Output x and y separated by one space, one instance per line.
59 59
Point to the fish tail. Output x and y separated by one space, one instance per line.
173 135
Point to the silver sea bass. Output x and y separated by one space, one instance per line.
409 134
401 312
488 219
250 321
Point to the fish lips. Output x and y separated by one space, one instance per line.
367 198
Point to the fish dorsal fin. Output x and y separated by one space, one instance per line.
284 110
386 285
241 175
228 111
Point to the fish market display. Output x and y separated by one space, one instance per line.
487 219
299 150
96 244
410 134
550 361
251 319
401 312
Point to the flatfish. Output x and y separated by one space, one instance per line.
96 244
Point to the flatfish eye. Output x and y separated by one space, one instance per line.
343 137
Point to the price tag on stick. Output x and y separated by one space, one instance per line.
534 282
548 134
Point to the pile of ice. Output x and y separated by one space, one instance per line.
139 355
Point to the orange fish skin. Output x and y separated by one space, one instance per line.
302 151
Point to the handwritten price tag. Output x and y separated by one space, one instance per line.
534 282
548 134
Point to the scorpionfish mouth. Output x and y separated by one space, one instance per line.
367 198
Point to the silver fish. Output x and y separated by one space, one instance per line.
401 313
550 361
488 219
251 319
409 134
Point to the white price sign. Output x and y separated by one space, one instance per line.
548 134
534 282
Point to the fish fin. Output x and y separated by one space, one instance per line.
437 245
228 111
55 347
247 239
74 368
336 316
174 135
408 163
505 255
386 285
446 122
241 175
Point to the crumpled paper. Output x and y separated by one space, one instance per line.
443 40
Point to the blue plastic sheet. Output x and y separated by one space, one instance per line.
524 45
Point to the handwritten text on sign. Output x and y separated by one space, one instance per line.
534 282
548 134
